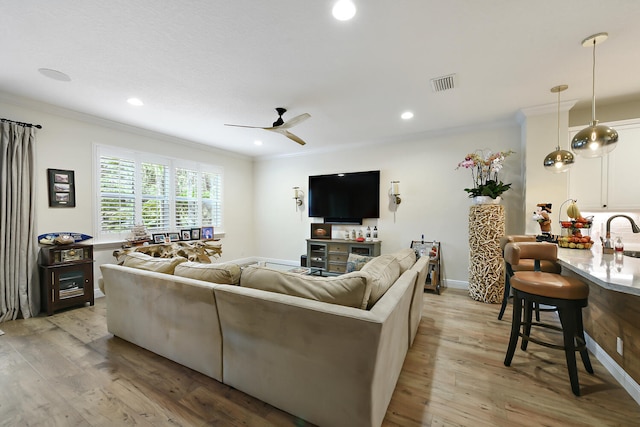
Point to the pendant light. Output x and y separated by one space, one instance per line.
559 160
595 140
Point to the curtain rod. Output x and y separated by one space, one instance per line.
21 123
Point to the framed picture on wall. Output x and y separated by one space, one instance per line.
62 192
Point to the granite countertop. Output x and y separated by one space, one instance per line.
611 271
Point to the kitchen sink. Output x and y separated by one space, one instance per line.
634 254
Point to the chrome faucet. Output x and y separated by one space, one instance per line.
606 244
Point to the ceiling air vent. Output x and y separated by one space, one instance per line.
440 84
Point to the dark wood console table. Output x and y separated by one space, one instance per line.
66 276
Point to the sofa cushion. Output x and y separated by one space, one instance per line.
223 273
351 289
355 262
406 257
149 263
384 271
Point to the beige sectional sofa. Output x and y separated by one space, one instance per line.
274 336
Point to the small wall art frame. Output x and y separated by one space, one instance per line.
62 188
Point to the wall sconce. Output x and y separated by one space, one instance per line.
298 195
395 192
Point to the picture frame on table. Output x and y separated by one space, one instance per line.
158 237
185 234
321 231
173 237
62 193
207 233
195 234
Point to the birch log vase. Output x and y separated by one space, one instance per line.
486 267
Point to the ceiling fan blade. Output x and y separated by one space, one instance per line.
296 120
287 134
243 126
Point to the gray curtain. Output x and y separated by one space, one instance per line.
19 284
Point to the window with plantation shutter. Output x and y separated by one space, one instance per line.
155 196
187 202
163 194
211 198
117 195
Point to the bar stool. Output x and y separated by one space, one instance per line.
525 265
568 294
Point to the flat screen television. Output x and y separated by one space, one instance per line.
345 197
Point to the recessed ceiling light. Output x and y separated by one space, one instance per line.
257 142
407 115
54 74
136 102
344 10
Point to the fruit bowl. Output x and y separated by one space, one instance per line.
575 242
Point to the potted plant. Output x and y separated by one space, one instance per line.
487 188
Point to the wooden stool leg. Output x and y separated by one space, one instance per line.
505 297
516 320
584 354
528 318
569 329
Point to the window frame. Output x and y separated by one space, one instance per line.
139 157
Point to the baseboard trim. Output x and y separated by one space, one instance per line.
456 284
614 369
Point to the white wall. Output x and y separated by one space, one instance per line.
433 200
66 142
540 137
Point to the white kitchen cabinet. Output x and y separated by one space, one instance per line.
609 183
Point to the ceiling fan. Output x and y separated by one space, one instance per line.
280 126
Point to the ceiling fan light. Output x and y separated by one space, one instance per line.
594 141
558 161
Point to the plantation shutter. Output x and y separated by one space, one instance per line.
211 199
155 197
186 198
117 196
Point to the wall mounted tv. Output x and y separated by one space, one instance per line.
345 197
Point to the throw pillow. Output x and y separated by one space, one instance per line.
351 290
355 262
384 271
223 273
406 257
149 263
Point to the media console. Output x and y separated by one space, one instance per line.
331 254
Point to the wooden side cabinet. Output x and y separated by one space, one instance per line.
66 276
331 254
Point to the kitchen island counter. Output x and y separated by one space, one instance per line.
615 272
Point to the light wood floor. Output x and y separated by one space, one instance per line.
68 370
